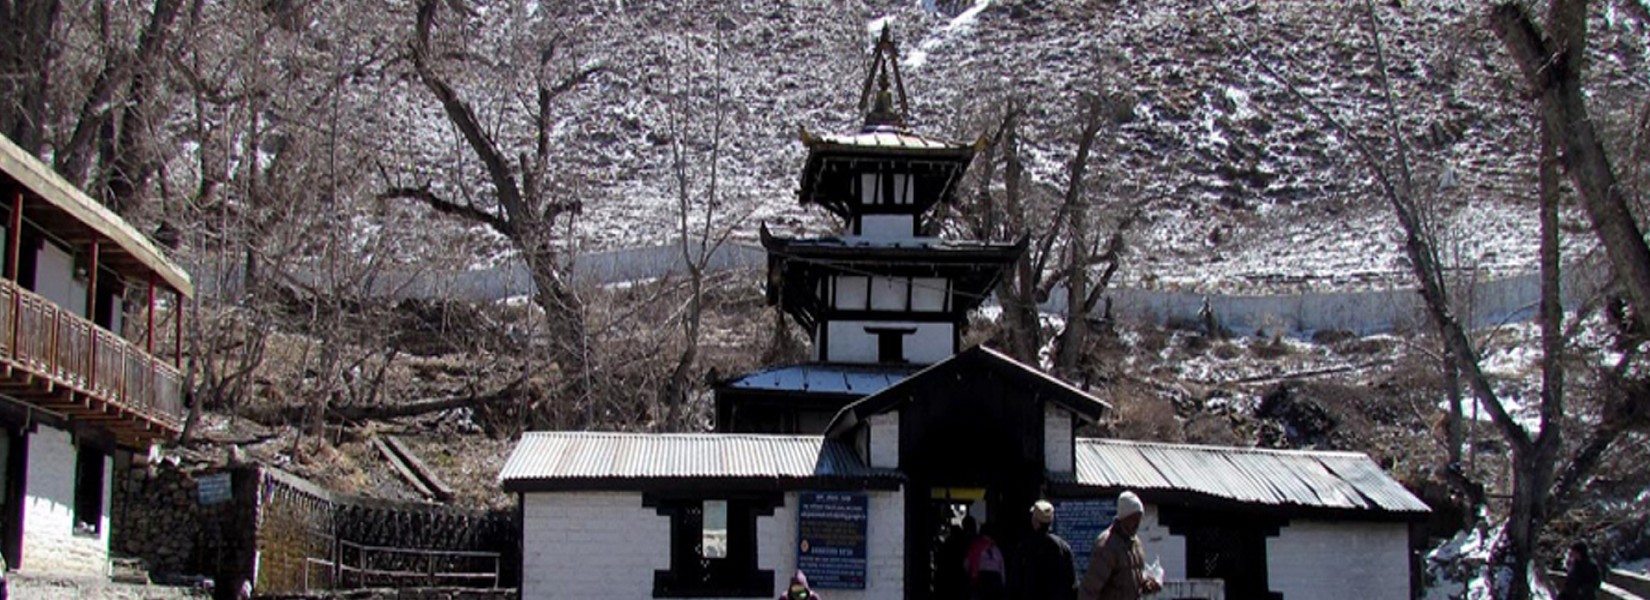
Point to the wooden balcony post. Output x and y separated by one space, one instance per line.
177 336
14 241
57 334
149 328
91 315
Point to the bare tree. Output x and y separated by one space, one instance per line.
528 210
1552 65
1536 453
699 197
1064 251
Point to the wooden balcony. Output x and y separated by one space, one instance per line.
63 363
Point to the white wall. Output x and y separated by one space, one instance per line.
591 545
601 545
1160 545
886 227
1319 559
54 279
849 341
49 542
1058 454
884 547
885 440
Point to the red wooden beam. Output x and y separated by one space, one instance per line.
91 315
177 338
149 329
14 240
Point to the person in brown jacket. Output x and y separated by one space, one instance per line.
1117 564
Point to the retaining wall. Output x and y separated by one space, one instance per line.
305 531
1482 303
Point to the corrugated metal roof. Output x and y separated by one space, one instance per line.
573 455
824 379
1338 480
58 192
890 138
922 243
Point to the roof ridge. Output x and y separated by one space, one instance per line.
1215 447
674 435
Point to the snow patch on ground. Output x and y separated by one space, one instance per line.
1641 566
1457 567
916 58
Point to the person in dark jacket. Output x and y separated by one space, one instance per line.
1045 570
799 589
950 576
1584 578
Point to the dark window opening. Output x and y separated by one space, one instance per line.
88 491
1228 547
28 258
891 343
713 547
109 289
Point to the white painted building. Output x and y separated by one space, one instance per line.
640 514
80 385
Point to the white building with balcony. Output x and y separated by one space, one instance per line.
88 364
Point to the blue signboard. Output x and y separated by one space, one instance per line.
830 531
213 489
1079 522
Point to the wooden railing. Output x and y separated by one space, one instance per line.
50 342
362 566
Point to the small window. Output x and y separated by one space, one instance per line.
929 294
890 293
851 292
902 188
870 189
88 491
713 547
714 530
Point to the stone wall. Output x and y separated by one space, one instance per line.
159 517
290 533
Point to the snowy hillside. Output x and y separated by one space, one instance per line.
1242 185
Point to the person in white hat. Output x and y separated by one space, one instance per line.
1117 564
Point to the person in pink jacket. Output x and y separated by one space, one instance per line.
799 589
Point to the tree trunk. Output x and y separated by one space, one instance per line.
1019 296
1074 338
526 215
26 53
126 176
564 327
1552 68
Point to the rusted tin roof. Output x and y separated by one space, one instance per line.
565 460
1284 478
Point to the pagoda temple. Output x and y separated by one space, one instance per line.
884 298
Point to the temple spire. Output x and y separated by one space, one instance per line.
878 104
